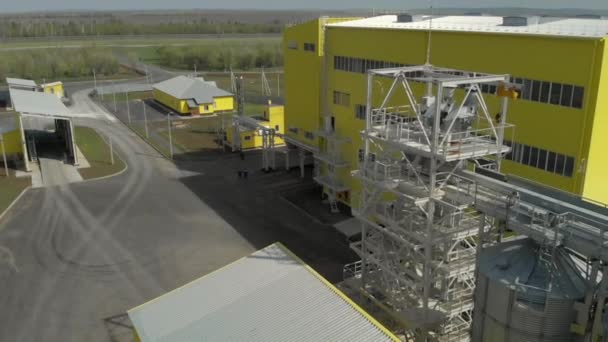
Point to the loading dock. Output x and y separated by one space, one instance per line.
46 119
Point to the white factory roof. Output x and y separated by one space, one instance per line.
188 88
20 82
38 103
570 27
270 295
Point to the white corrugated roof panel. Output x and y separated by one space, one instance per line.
571 27
39 103
20 82
268 296
197 89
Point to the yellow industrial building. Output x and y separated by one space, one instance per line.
10 135
250 137
193 96
53 88
559 67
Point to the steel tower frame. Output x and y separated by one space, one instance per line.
418 245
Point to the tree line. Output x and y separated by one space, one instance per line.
220 58
57 64
16 29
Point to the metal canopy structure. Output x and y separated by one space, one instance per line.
270 295
425 216
47 106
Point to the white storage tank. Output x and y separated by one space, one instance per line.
521 298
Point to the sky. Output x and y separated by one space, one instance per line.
57 5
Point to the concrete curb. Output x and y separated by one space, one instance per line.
124 169
107 176
14 202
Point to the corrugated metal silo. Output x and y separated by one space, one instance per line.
523 298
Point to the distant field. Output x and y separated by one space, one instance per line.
139 42
147 50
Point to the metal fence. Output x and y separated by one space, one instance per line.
174 136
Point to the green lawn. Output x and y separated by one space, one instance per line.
11 187
199 134
97 153
139 42
146 50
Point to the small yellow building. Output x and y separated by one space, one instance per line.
53 88
10 134
250 138
193 96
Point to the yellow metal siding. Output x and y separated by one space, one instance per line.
275 116
56 89
596 178
177 105
12 140
221 104
522 56
302 81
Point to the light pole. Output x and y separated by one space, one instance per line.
114 96
4 155
170 137
94 81
128 108
111 150
145 118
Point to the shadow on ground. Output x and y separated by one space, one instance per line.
261 208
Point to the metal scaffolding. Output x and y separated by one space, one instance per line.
418 244
328 162
425 215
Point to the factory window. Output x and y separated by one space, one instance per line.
535 90
309 135
577 97
549 161
569 170
361 65
248 137
276 127
293 130
292 44
361 155
545 89
309 47
360 111
342 99
556 93
566 95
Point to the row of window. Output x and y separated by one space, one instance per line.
309 135
550 92
309 47
293 45
342 99
532 90
360 111
549 161
361 65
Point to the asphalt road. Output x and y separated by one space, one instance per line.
75 254
86 251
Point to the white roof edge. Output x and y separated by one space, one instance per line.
549 26
262 296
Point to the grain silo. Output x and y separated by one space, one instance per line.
525 295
